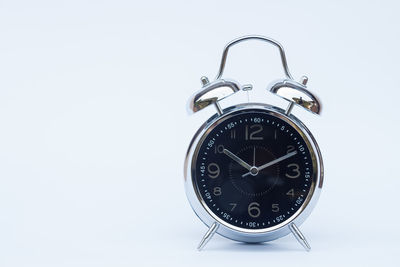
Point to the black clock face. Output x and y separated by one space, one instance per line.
253 170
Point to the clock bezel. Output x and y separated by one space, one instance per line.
243 234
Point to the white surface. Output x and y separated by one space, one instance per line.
93 128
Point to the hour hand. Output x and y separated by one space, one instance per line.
237 159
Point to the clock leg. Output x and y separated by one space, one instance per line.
209 234
299 236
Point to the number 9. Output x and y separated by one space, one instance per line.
213 170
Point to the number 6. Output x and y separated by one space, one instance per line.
254 210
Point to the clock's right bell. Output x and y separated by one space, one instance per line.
296 93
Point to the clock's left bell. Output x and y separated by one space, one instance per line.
212 92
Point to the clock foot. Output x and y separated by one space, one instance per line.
209 234
299 236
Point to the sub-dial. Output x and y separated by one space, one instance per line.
259 181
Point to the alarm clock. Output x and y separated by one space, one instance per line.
253 171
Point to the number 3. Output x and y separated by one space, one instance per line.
294 170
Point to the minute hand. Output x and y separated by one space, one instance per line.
266 165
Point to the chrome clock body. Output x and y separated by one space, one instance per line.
241 234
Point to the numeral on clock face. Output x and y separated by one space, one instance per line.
233 134
219 149
217 191
233 206
275 207
290 192
213 170
290 148
294 171
254 209
252 131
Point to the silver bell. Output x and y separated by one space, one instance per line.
211 93
296 93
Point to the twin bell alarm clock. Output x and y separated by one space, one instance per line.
253 171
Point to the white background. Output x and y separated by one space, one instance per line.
94 130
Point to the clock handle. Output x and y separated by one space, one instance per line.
292 91
254 37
